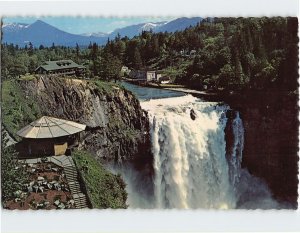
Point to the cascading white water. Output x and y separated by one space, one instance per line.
197 148
236 151
197 157
189 148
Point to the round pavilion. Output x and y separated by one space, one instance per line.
48 136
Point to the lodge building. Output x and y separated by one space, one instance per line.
60 67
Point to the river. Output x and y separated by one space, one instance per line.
198 150
148 93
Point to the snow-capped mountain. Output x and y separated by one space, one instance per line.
171 26
13 27
132 30
95 34
152 26
41 33
178 24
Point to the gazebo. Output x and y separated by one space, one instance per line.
48 136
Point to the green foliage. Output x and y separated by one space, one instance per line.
110 68
244 53
27 77
104 189
13 175
231 53
105 86
18 109
226 76
16 61
253 48
137 60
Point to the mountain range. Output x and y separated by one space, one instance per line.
41 33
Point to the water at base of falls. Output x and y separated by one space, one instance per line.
197 151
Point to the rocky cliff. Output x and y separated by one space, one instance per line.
117 127
271 139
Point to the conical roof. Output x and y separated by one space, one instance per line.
50 127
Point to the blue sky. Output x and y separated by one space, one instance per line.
78 25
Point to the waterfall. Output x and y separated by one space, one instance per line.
235 146
198 149
189 148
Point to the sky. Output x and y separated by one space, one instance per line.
79 25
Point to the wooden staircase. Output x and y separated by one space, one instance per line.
72 177
80 200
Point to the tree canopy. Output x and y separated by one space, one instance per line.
220 53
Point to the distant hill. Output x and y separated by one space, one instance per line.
171 26
41 33
14 27
134 30
178 24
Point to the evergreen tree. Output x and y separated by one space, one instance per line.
77 52
93 57
30 49
110 67
137 60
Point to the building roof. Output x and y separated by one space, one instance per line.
58 65
50 127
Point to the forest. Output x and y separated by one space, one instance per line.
216 54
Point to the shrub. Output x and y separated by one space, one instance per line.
105 190
11 179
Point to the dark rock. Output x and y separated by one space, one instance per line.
271 139
193 114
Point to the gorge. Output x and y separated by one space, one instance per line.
179 151
198 156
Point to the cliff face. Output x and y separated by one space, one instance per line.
271 139
117 127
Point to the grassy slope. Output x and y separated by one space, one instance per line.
104 189
17 109
105 86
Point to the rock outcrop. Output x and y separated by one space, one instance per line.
271 139
117 127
